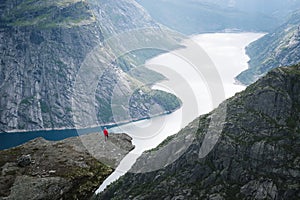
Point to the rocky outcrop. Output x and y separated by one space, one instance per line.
55 60
69 169
24 160
281 47
255 155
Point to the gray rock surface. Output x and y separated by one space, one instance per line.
56 69
26 187
24 160
69 169
255 157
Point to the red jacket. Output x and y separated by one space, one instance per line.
105 131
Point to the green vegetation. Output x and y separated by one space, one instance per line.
292 70
145 75
105 110
27 101
168 101
89 177
162 144
139 104
44 107
135 59
49 14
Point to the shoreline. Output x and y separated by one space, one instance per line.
7 138
175 121
110 125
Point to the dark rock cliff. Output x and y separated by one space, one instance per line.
45 46
256 155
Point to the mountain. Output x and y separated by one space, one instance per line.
275 8
247 148
198 16
278 48
62 63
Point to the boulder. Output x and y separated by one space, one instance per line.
24 160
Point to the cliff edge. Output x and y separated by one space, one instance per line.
69 169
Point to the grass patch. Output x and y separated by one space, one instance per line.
27 100
48 14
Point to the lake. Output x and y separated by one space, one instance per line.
8 140
201 75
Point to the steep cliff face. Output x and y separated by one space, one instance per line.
278 48
255 157
44 45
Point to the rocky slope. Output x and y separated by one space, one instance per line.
254 150
60 170
278 48
59 67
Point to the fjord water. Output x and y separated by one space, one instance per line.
226 51
9 140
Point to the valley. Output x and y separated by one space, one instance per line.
200 98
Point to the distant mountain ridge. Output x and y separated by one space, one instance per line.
256 156
278 48
202 16
275 8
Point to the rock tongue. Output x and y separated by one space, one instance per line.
67 169
256 157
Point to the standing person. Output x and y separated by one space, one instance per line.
105 132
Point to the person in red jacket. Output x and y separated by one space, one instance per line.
105 132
